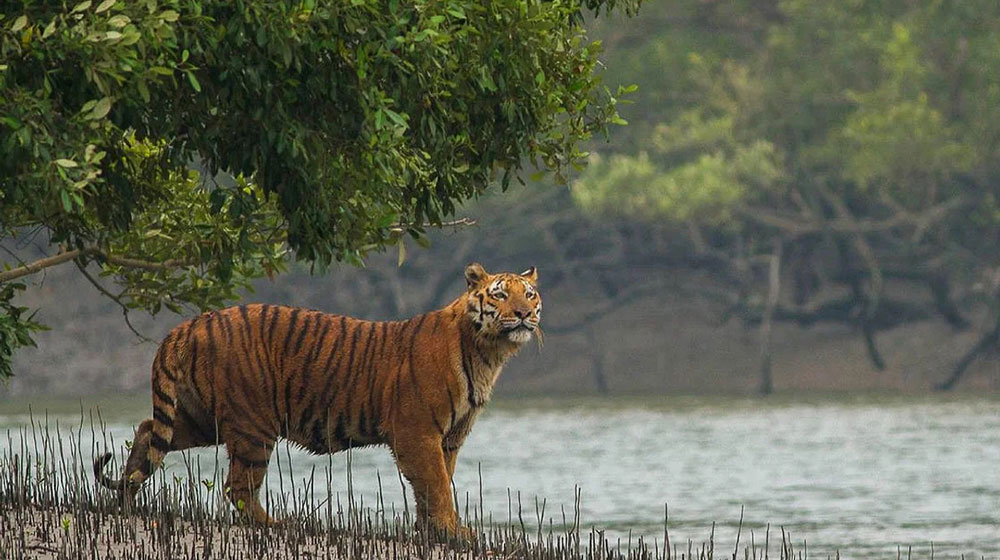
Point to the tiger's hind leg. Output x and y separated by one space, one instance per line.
248 460
185 433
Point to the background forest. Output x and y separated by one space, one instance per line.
806 197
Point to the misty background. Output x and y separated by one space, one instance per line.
758 226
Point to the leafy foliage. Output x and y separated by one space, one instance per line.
856 141
348 125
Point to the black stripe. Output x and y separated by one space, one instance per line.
211 360
409 358
372 405
356 369
274 398
318 443
158 442
303 331
190 420
291 330
274 322
354 346
194 357
255 441
385 330
370 368
245 331
227 326
340 434
362 423
348 384
162 417
161 358
466 370
307 366
250 462
335 352
146 467
451 401
434 417
305 417
162 395
264 309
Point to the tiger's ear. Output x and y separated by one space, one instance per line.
475 275
531 275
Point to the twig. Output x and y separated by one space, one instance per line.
399 228
116 299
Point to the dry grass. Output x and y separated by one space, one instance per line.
51 508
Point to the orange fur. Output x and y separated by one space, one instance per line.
245 376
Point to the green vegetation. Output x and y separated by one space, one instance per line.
347 126
838 147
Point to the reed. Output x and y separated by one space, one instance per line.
51 507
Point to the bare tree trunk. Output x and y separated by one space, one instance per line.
989 340
773 290
597 362
941 290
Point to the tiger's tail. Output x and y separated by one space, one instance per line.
103 479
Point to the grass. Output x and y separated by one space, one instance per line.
51 507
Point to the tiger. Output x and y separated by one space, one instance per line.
245 376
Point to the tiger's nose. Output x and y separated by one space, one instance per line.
522 312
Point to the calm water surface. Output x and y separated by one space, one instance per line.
858 475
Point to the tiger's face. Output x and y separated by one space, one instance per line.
505 306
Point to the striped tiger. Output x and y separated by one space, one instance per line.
245 376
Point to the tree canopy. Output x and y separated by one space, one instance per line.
843 145
329 129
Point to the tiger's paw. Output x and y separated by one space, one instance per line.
452 533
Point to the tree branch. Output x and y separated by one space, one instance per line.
116 299
39 265
66 256
797 226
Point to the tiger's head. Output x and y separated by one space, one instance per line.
505 305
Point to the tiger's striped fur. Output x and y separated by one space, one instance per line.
245 376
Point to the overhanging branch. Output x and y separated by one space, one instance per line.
66 256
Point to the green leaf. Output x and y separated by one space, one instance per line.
19 24
67 204
169 15
119 21
104 6
66 163
194 81
81 6
101 109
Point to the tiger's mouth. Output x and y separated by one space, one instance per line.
520 326
520 332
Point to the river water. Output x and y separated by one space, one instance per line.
862 476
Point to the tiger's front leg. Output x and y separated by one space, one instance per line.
421 460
